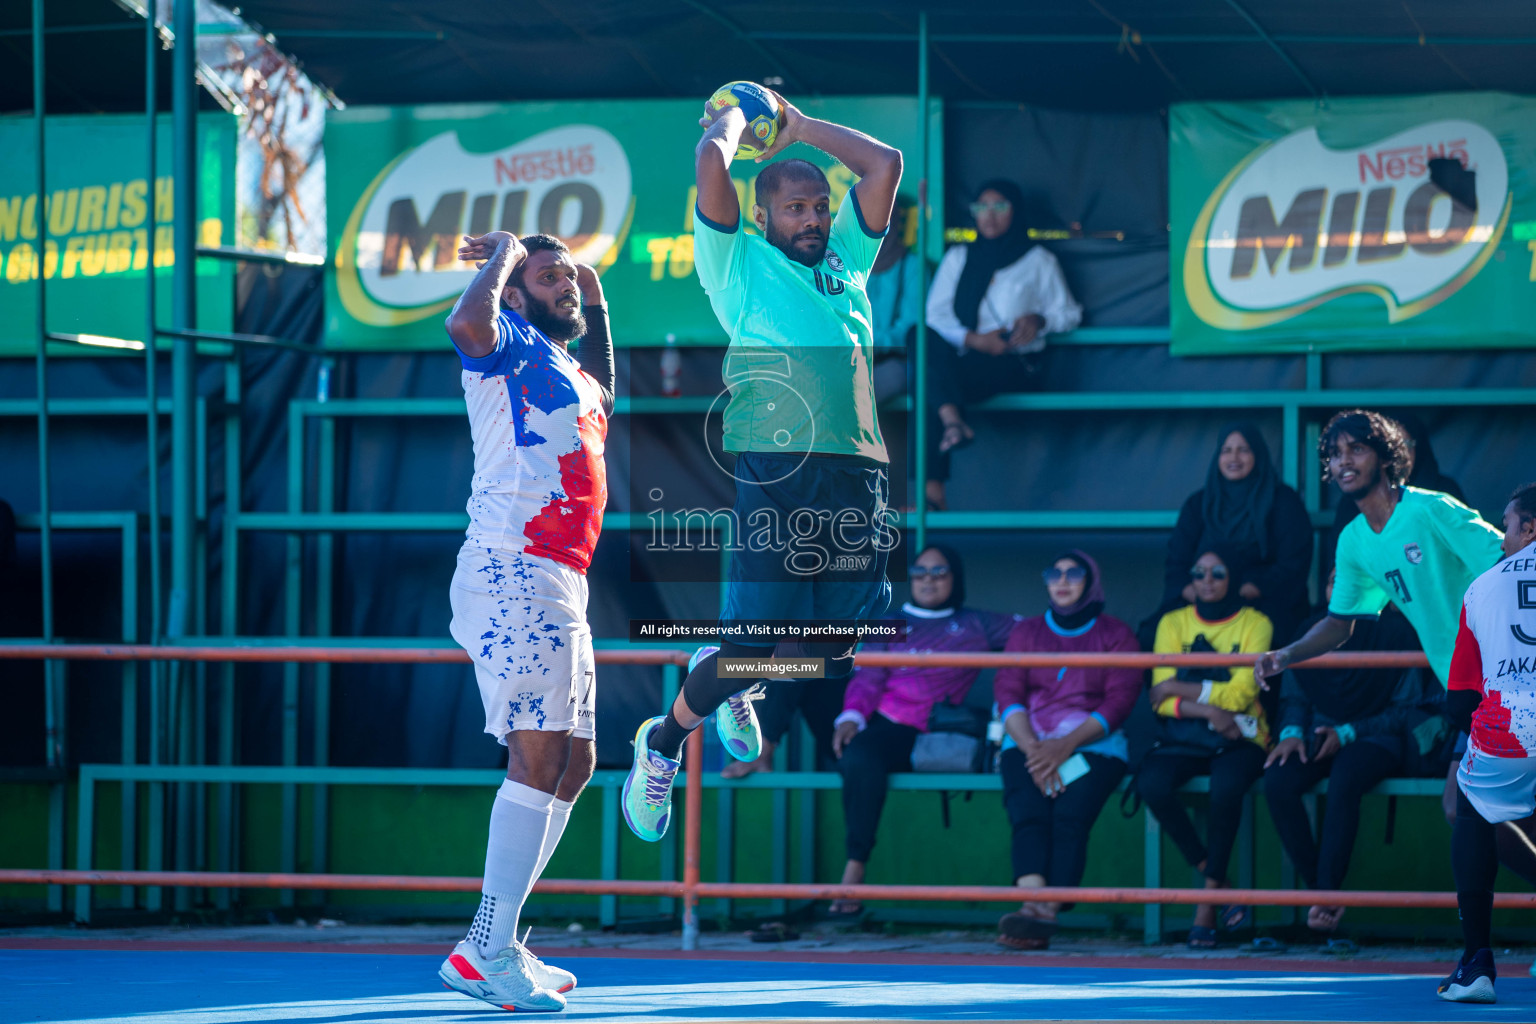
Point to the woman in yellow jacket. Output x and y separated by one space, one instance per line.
1210 721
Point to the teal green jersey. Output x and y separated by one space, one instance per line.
799 364
1423 560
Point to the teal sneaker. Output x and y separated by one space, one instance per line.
736 722
648 789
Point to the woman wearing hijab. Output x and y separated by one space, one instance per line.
1210 721
992 303
1058 720
886 709
1244 505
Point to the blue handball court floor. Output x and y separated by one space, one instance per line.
200 986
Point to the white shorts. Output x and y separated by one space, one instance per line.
1501 788
523 620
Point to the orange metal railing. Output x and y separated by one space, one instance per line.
691 888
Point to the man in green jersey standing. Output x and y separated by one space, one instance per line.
811 471
1419 550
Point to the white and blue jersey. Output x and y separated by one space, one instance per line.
538 426
519 597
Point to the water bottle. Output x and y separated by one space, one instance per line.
671 368
995 734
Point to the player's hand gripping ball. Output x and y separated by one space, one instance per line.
764 115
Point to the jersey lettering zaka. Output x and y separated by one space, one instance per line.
1496 656
538 426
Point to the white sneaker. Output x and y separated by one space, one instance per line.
508 981
556 979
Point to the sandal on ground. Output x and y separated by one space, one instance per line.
1340 947
1026 945
773 931
1234 916
1019 925
845 909
1201 937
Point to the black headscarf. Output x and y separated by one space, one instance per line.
986 256
1237 511
1232 557
956 573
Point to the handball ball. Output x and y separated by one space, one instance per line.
761 109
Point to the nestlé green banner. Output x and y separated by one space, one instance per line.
613 179
1405 222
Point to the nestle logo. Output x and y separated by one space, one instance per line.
544 165
1410 161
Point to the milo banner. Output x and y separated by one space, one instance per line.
1365 224
98 212
614 180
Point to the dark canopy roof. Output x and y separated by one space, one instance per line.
1120 55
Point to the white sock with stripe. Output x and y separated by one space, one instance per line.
520 820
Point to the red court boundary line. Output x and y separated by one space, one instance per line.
1283 964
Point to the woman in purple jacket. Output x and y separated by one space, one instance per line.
886 708
1050 717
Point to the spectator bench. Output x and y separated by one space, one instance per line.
969 782
606 785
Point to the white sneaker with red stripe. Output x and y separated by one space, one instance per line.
508 981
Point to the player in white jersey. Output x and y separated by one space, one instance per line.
539 419
1493 696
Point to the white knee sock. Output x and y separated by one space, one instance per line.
519 824
559 817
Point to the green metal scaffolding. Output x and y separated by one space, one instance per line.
182 766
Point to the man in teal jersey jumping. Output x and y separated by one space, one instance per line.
1419 550
811 471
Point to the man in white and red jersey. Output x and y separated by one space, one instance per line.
1493 695
539 419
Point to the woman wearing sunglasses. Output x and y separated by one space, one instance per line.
1210 721
992 302
886 708
1063 751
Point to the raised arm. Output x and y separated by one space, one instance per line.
595 349
712 166
472 324
877 166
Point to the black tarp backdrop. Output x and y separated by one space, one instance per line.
1119 59
396 584
1102 176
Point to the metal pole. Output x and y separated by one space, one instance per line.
151 381
183 307
52 696
183 383
693 819
44 502
919 411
